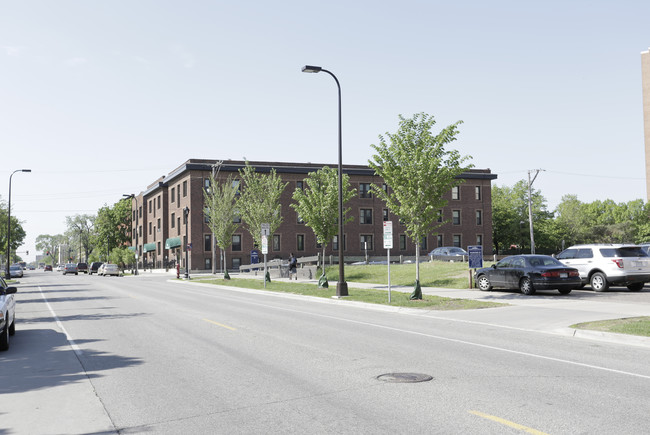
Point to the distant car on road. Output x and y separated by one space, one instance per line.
70 268
94 267
109 269
528 273
602 265
7 313
448 251
16 271
47 268
60 267
82 267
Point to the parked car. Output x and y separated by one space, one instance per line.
70 268
16 271
47 268
8 313
528 273
94 266
60 267
109 269
82 267
602 265
448 251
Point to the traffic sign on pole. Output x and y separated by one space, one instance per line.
388 235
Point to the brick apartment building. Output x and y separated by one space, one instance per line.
159 217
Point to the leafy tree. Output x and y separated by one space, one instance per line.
221 208
48 243
80 230
260 201
419 171
113 226
17 232
317 204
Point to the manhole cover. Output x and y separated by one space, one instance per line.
404 377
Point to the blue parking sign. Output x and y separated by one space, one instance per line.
475 256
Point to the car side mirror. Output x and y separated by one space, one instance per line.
11 290
494 266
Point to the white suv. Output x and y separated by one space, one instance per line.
602 265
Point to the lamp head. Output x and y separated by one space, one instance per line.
311 69
26 170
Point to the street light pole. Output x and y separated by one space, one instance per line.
186 212
341 285
7 272
137 227
530 208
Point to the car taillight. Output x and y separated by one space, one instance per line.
619 262
574 273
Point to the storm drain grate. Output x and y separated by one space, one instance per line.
404 377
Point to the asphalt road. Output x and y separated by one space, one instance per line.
144 355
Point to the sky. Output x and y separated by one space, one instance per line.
100 98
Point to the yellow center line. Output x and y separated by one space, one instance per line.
508 423
220 324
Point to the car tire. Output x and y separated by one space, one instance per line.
76 273
483 283
12 328
564 291
635 287
526 286
4 338
598 282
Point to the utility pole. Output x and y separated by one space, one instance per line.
530 207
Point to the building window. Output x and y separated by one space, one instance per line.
365 216
402 242
133 218
364 190
159 248
173 220
236 184
178 227
140 211
455 217
140 231
149 202
457 243
149 228
158 207
439 237
178 195
173 194
300 185
159 225
208 263
366 242
479 217
335 243
276 242
455 192
299 220
300 242
385 214
384 186
477 193
206 184
479 239
423 244
236 219
184 188
207 242
440 215
236 262
206 215
236 242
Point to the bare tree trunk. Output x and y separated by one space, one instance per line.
417 262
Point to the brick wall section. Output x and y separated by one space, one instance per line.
193 173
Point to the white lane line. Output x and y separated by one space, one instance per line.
73 345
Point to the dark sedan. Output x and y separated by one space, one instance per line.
529 273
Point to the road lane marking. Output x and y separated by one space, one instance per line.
73 345
508 423
219 324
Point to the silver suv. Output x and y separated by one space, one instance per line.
602 265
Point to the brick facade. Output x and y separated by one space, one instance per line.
468 217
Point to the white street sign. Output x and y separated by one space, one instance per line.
265 245
388 235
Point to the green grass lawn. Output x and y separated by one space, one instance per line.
631 325
439 274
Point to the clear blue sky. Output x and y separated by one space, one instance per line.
99 98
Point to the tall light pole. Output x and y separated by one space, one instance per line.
137 227
530 208
7 272
341 285
186 213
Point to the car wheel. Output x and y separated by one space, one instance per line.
484 283
599 282
526 287
564 291
12 328
76 273
636 286
4 338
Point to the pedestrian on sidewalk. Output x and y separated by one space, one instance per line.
293 264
